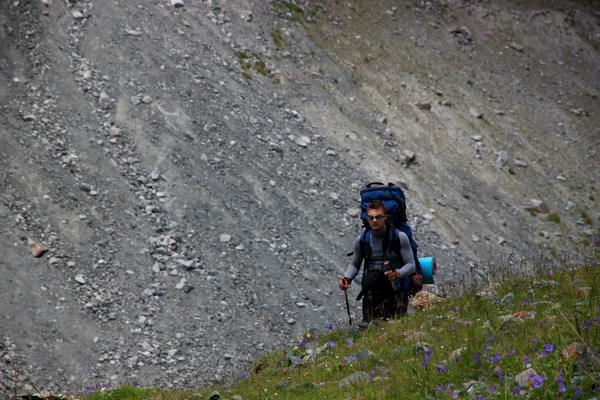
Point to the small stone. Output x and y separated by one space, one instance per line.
79 279
181 284
156 268
155 175
475 113
224 238
300 142
29 117
357 377
300 304
353 212
424 106
215 396
53 260
334 196
520 163
147 99
186 263
239 247
475 238
428 217
187 288
133 32
160 194
331 153
291 321
177 3
409 156
517 47
522 379
227 356
502 159
36 249
561 178
77 14
501 240
477 138
135 100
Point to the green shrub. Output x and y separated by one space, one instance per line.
277 37
553 217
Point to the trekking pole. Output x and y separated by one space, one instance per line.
347 306
388 268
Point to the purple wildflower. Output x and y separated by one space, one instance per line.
302 345
455 309
496 301
429 352
493 388
498 372
550 273
440 368
136 383
438 389
526 361
425 358
510 352
542 325
330 326
373 371
244 375
456 360
585 325
548 347
454 394
596 320
525 302
330 343
349 340
491 337
516 390
486 347
88 389
561 382
535 340
476 358
578 391
536 380
494 358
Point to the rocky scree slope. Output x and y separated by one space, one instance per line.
193 172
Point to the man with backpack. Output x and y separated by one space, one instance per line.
389 263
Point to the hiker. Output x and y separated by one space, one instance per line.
385 288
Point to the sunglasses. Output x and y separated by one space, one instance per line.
377 217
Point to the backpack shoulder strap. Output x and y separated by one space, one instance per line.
365 248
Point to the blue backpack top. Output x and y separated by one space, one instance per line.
393 199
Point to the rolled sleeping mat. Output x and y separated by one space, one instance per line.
428 269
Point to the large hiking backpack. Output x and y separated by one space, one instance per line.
392 197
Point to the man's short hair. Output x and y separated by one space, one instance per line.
376 205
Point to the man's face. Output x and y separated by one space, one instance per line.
376 219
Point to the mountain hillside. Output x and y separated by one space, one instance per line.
191 174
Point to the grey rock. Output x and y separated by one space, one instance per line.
502 159
522 378
215 396
353 212
508 299
224 238
357 377
79 279
360 355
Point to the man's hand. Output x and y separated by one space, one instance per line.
392 275
343 283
